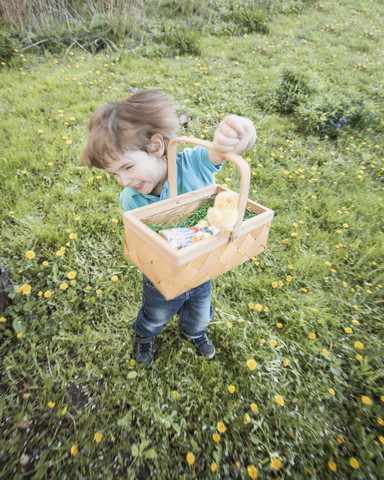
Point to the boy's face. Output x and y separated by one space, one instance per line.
145 172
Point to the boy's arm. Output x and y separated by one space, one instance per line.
234 134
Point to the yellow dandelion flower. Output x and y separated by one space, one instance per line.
380 421
175 394
251 305
274 284
115 220
354 463
114 278
345 225
262 340
64 410
288 278
381 438
231 389
247 419
60 253
332 391
221 427
98 436
63 286
51 404
280 283
332 466
45 263
273 343
72 236
286 362
251 364
229 324
359 345
216 437
325 352
258 307
74 450
99 291
279 400
213 466
19 335
254 407
348 330
2 319
276 463
382 398
47 294
312 335
366 400
328 264
252 471
279 325
132 362
72 274
340 439
73 282
26 289
294 234
304 290
190 458
30 254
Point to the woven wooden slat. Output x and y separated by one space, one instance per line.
175 280
173 271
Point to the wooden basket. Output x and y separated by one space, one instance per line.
174 271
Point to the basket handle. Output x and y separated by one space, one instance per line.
241 164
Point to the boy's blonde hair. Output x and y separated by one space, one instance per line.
117 127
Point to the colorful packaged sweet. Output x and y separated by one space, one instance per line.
183 237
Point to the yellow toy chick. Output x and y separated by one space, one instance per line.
224 213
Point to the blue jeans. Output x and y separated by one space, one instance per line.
194 309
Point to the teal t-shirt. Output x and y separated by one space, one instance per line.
194 171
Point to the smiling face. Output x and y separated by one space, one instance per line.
144 172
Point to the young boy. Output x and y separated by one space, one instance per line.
129 140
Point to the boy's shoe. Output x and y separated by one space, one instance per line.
204 346
143 349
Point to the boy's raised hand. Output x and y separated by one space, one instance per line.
234 134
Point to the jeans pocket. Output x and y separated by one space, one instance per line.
148 284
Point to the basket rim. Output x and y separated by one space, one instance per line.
133 221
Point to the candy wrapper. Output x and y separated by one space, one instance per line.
182 237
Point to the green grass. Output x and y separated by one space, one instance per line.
317 290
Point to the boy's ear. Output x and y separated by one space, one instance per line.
157 145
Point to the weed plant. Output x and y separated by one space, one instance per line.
295 390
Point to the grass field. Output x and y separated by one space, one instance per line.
296 389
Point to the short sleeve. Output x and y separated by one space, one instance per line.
194 169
